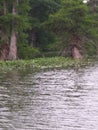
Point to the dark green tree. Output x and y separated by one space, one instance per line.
40 11
13 23
74 25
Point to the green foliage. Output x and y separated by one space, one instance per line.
42 8
27 52
71 18
19 21
72 22
45 39
40 11
56 24
91 48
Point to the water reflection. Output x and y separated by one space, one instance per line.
51 100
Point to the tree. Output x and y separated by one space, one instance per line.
93 11
14 21
3 37
13 39
40 10
73 24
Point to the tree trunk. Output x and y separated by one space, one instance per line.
76 54
13 40
13 47
76 46
4 52
32 38
4 48
94 7
4 7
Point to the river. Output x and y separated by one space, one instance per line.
50 100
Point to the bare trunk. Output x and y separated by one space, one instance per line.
76 47
4 52
32 38
4 7
13 40
13 47
76 54
94 7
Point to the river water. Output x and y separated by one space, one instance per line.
49 100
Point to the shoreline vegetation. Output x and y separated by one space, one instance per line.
45 63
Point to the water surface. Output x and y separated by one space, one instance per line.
50 100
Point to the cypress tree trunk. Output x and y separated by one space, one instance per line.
76 44
76 53
13 46
13 39
4 52
4 39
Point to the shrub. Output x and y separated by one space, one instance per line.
27 52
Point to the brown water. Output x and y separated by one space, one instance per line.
50 100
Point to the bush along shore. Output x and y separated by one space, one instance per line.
44 63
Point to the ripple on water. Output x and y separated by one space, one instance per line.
52 100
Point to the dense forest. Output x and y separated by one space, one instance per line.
39 28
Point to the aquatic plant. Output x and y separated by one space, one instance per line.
44 63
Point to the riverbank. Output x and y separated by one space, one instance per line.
44 63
